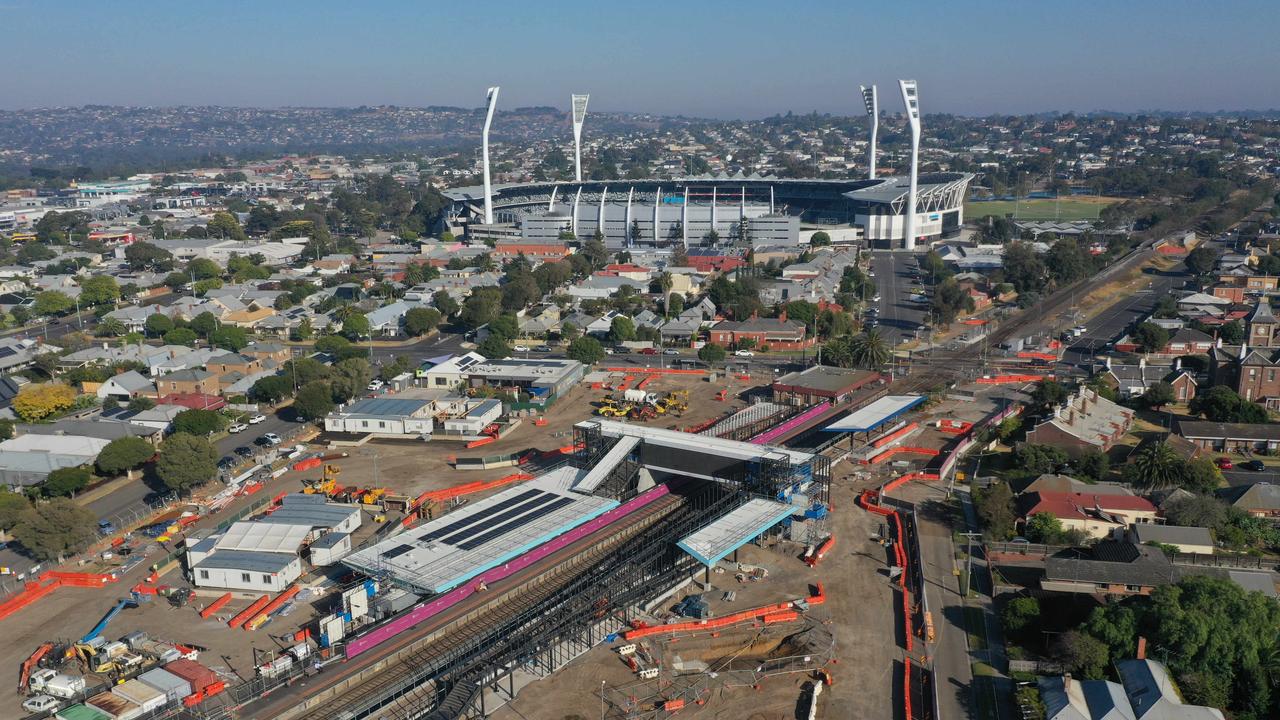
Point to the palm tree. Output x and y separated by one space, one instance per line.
664 284
869 350
1156 466
111 327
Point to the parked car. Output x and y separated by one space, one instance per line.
670 351
1223 463
376 385
521 348
257 419
543 348
744 353
649 351
262 442
238 427
40 703
1254 465
272 438
106 527
227 462
243 451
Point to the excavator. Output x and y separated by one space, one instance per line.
326 485
31 663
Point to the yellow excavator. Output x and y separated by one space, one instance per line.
326 485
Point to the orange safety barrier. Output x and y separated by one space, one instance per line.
885 440
251 488
271 607
673 705
973 321
249 612
144 589
713 623
1003 379
954 427
885 455
481 441
647 379
469 488
307 464
658 371
822 550
1037 356
818 597
73 579
215 606
781 617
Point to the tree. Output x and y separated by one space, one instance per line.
820 239
349 378
203 269
445 303
420 321
586 350
197 422
355 326
505 327
6 429
146 256
123 454
1023 267
1038 459
1043 527
65 482
569 332
1158 394
675 304
231 338
1020 614
110 327
994 505
1084 655
186 461
332 345
1232 333
1049 394
1154 467
314 401
141 403
158 324
481 307
225 225
868 349
37 402
12 507
1196 511
99 290
55 529
1067 261
1202 260
52 302
494 348
621 329
271 389
204 324
1221 404
181 336
1150 337
712 353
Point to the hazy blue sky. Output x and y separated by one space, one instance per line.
740 58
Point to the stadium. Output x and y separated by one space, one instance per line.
738 210
769 210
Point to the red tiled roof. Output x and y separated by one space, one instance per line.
1072 504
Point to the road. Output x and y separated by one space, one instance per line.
900 318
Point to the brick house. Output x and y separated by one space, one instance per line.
778 333
188 382
1130 380
535 252
1096 514
1261 499
268 351
230 362
1086 421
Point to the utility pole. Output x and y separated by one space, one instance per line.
968 567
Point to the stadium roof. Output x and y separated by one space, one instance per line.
713 542
878 413
452 549
896 187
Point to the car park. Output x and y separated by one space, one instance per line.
272 438
257 419
237 427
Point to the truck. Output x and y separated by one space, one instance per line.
52 682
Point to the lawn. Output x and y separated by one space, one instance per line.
1068 208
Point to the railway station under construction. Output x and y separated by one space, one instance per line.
450 618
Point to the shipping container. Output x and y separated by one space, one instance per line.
114 706
193 672
141 694
173 687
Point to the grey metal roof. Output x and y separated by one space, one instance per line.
1258 496
1173 534
1145 566
385 407
247 561
317 516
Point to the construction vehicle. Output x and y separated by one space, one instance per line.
326 485
102 624
642 412
52 682
31 663
372 496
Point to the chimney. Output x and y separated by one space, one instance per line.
1142 648
1177 364
782 316
1066 679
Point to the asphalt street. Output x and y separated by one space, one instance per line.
899 317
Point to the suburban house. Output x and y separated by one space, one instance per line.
185 382
1109 568
1086 421
126 386
1132 380
1095 514
1145 692
1260 499
1258 437
777 333
1185 539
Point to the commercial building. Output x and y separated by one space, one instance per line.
543 380
819 383
249 556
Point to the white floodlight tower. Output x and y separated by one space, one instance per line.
579 114
912 102
491 98
873 117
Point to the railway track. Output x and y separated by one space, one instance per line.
407 680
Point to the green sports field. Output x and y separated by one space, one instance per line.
1070 208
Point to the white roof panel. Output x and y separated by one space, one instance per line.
875 414
715 541
263 537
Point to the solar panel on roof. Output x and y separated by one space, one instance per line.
477 541
498 519
397 551
7 351
481 515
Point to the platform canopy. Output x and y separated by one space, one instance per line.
449 550
715 541
870 417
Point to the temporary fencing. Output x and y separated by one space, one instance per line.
895 435
767 614
48 582
271 607
1006 379
883 456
